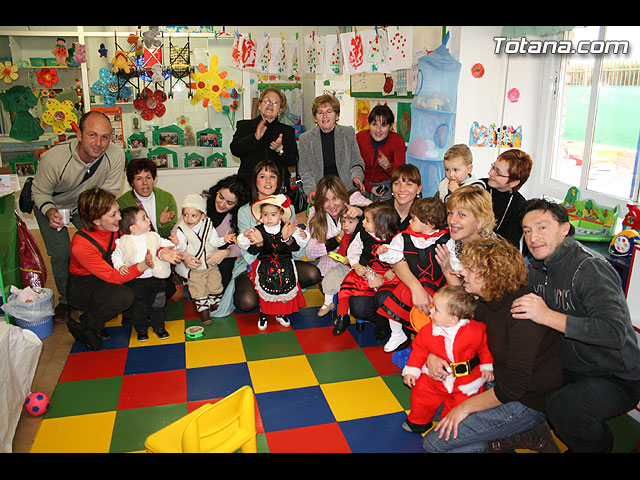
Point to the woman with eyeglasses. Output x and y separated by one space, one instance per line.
506 176
266 138
329 149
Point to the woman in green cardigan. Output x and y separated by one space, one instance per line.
159 204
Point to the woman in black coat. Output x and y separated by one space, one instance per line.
265 138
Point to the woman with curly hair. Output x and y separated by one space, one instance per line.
527 362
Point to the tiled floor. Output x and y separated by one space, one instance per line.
314 392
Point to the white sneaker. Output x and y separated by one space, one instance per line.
283 320
262 322
394 342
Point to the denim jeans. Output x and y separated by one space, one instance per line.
480 427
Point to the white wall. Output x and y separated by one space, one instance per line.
485 99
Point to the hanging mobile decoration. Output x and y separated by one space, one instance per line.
210 85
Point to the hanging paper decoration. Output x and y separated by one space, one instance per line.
514 95
48 77
353 51
263 58
333 59
249 52
376 50
9 72
278 64
400 41
59 115
210 85
111 87
293 56
151 103
103 51
312 54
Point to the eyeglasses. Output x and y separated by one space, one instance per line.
498 174
320 113
268 101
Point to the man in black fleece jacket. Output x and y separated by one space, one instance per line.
578 293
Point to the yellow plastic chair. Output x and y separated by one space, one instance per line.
222 427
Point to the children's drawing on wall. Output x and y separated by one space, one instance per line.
313 53
363 108
353 50
403 121
376 50
400 47
278 64
293 56
334 60
263 55
492 136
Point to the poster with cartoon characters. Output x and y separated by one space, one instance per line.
493 136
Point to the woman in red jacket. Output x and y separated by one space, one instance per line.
95 287
382 151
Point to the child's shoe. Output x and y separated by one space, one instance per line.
283 320
342 322
161 333
416 428
205 317
396 340
143 336
262 322
324 309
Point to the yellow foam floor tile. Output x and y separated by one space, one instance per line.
89 433
216 351
281 374
313 297
361 398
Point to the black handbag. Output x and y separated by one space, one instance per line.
26 200
298 196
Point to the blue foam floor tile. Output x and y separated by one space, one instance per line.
295 408
381 434
155 358
206 383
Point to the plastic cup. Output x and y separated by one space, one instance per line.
66 215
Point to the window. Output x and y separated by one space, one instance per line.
596 122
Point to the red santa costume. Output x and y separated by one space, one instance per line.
464 342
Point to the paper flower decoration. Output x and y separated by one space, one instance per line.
210 85
111 87
48 77
514 95
8 72
151 103
477 70
59 115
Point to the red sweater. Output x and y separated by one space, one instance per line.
86 259
394 149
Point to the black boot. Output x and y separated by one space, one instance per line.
539 439
342 322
